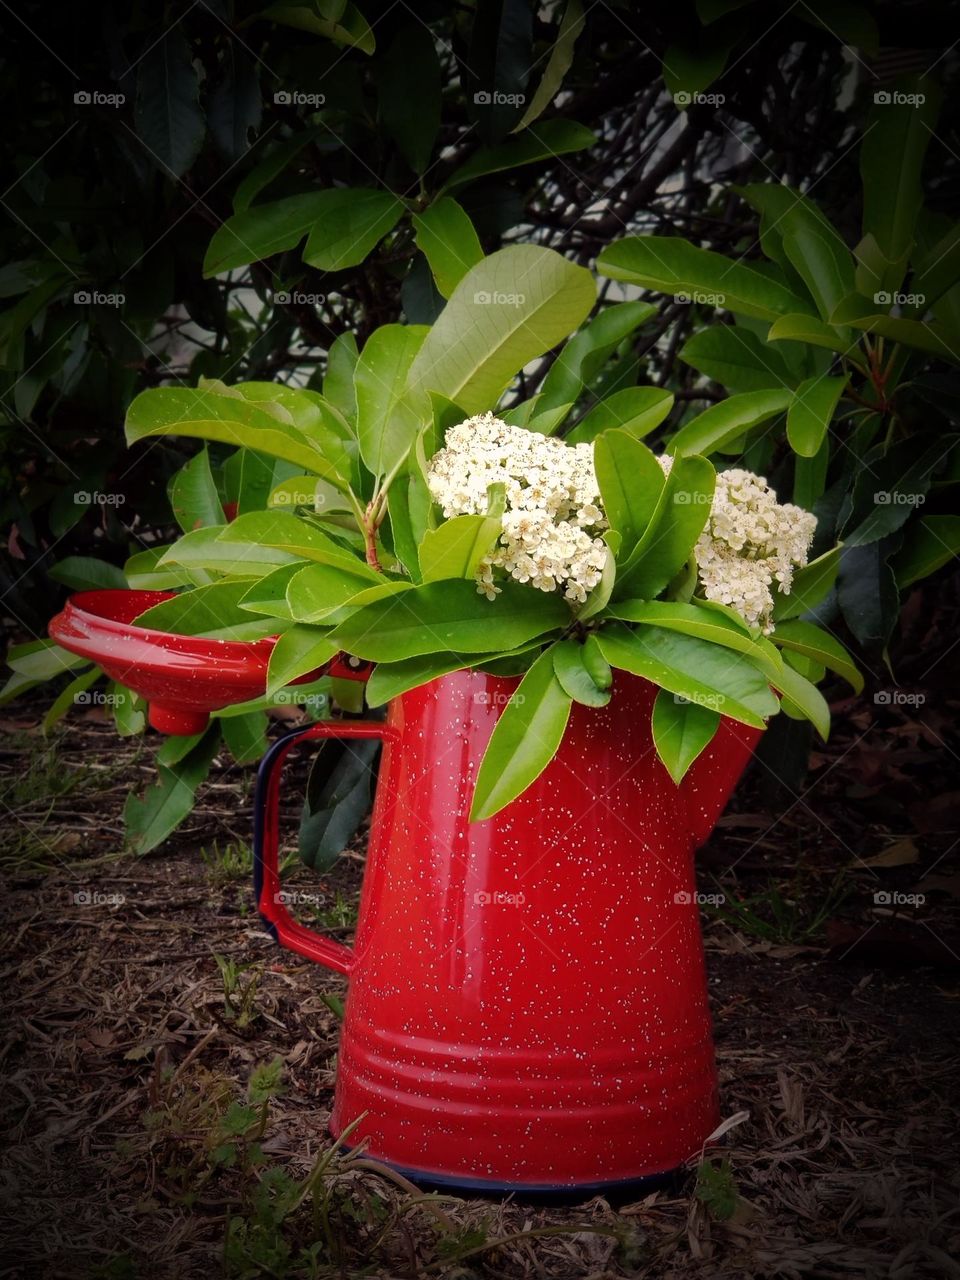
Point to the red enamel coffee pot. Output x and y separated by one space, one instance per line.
527 1008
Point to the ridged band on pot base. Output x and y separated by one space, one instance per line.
527 1003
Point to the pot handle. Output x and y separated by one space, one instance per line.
266 844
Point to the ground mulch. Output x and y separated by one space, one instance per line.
836 1003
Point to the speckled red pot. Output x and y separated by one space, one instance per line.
527 1005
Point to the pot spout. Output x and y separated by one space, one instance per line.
711 778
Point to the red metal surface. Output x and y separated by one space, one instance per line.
527 1001
183 678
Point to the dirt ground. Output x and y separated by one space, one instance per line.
146 1134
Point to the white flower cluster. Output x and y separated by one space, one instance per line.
749 542
553 510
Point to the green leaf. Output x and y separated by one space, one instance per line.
317 591
202 551
84 573
689 70
674 527
674 266
408 83
338 800
67 698
206 415
265 229
193 494
810 477
338 385
736 358
234 106
270 167
726 421
922 335
890 489
297 652
389 415
891 159
213 611
635 409
631 482
681 730
284 531
350 224
704 623
867 592
559 63
446 237
813 642
575 677
506 311
42 659
825 266
811 586
343 24
495 64
811 412
455 548
695 669
930 543
390 679
583 356
268 594
808 329
167 111
938 269
451 615
129 711
524 740
544 141
245 736
149 820
803 699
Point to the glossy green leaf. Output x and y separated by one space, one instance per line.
811 412
930 543
559 62
443 616
867 592
583 356
129 711
525 739
695 669
349 226
297 652
150 819
575 676
824 265
286 532
84 573
202 550
891 488
343 24
212 611
726 421
635 409
704 623
338 384
811 586
681 730
671 265
42 660
68 698
446 237
193 494
262 230
317 591
455 548
808 329
337 800
804 700
245 736
542 141
813 642
922 335
674 527
268 595
735 357
506 311
389 414
631 482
